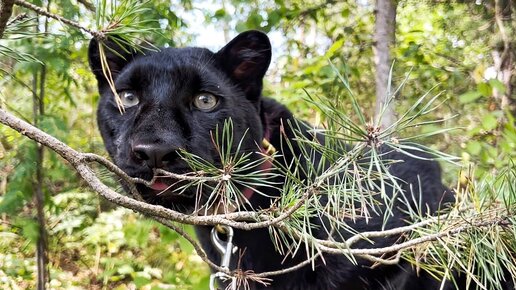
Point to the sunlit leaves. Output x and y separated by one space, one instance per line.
469 97
20 187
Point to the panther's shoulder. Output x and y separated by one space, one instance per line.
274 112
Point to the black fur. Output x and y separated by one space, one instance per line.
150 133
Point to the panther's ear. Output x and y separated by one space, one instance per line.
117 57
245 59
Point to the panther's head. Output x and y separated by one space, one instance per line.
173 100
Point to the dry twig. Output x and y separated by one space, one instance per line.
41 11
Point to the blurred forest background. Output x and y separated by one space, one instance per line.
461 49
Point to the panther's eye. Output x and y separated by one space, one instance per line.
129 99
205 101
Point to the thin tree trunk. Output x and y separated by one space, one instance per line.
503 54
225 27
39 195
42 244
6 9
384 38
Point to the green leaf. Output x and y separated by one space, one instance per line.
220 13
497 84
241 27
167 235
274 18
125 269
140 281
469 97
345 12
334 47
473 147
254 21
489 122
30 228
12 201
485 89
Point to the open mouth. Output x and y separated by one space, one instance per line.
160 185
168 192
167 187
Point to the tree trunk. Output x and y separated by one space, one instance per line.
39 195
384 38
503 54
6 9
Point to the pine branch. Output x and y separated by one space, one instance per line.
272 217
43 12
80 162
454 224
337 249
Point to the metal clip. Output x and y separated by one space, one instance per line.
226 249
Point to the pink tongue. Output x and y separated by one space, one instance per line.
159 186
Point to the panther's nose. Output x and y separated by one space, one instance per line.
155 155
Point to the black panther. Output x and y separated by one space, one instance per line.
175 98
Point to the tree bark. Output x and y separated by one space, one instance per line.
6 9
384 38
503 55
39 195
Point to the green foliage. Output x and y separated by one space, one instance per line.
355 182
89 246
238 170
19 28
19 189
445 46
491 142
485 251
115 248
